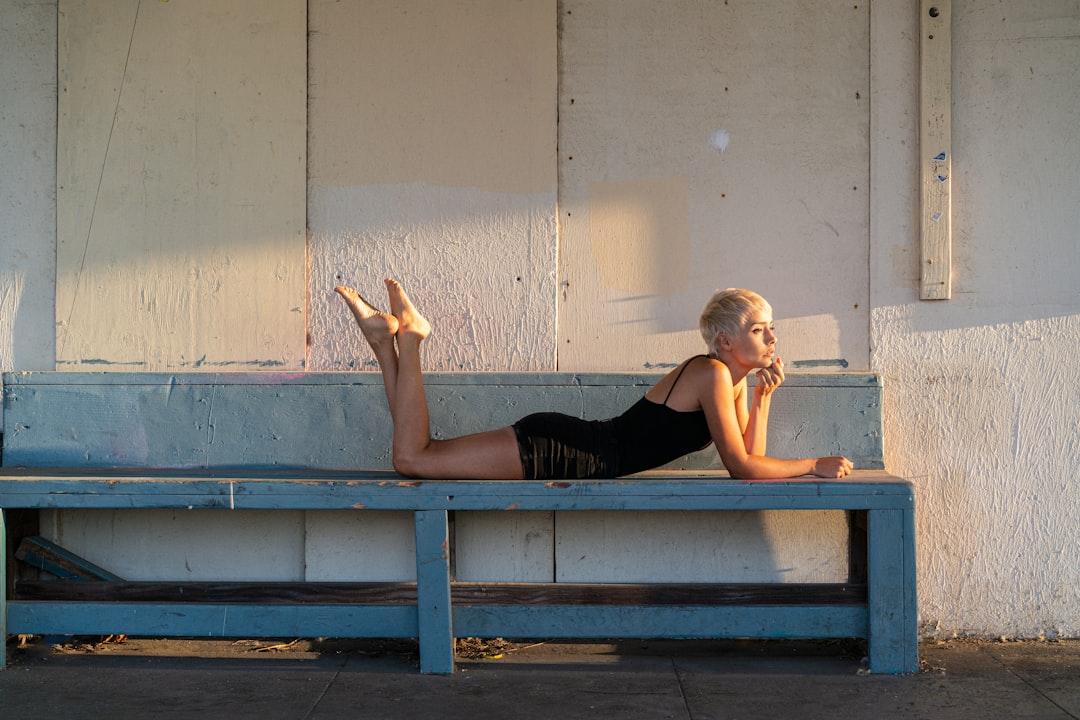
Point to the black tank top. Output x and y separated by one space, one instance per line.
651 434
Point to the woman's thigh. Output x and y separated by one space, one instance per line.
491 455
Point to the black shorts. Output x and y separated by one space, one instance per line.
554 446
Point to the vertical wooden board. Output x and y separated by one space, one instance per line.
935 147
751 546
891 605
3 590
181 151
504 547
434 614
359 547
706 145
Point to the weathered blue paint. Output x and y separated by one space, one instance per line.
291 490
433 608
888 620
204 620
339 420
3 589
36 554
703 622
294 441
806 364
892 611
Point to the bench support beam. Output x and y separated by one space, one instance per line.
433 610
3 590
891 601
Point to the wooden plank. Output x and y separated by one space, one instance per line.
650 495
908 625
935 147
3 590
574 497
256 593
208 620
172 620
272 380
892 613
654 622
433 610
462 593
55 560
312 421
657 594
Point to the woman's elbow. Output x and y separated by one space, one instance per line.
741 468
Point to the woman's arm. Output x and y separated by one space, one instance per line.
735 438
756 428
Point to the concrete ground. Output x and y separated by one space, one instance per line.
693 680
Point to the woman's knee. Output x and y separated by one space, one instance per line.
406 464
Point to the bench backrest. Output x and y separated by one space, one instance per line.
335 421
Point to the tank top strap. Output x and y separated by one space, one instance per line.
681 371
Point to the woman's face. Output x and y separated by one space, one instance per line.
754 346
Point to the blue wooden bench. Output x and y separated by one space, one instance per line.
272 441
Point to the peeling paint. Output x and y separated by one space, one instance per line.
836 362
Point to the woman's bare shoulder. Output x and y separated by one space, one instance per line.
708 369
712 377
684 386
706 377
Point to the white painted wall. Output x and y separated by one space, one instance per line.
432 138
27 184
704 146
981 391
181 185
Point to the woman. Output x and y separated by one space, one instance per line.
703 400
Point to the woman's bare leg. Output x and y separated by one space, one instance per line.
379 329
489 455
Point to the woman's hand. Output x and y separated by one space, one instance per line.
832 467
769 378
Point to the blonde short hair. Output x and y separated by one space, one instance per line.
727 312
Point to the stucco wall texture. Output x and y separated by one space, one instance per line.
982 407
480 151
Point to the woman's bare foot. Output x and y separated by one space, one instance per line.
410 321
378 327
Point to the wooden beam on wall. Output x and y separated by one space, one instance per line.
935 147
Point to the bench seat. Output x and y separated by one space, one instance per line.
884 614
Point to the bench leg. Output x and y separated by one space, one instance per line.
893 620
434 614
3 591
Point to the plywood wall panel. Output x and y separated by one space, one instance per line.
27 183
707 145
433 160
181 185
